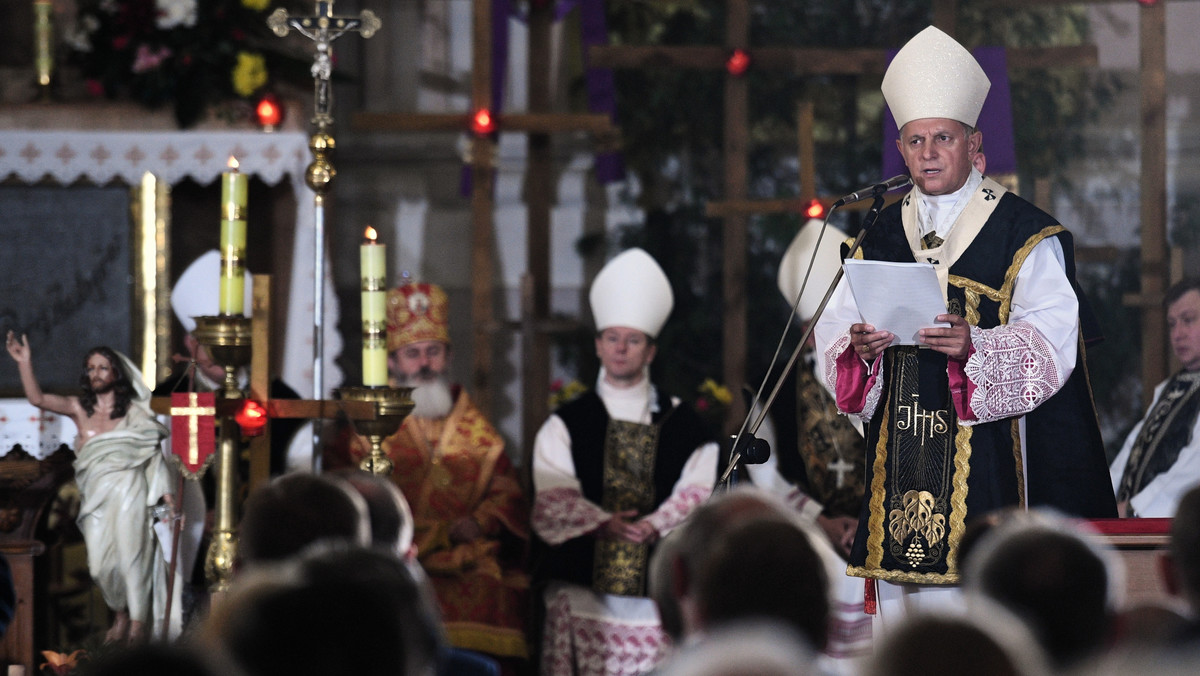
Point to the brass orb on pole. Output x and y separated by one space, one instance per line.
392 405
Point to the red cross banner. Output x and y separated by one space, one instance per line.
193 436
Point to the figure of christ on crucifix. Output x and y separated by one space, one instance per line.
122 476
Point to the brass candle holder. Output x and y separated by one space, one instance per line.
227 339
392 406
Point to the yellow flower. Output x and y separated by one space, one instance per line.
256 5
250 74
716 391
561 393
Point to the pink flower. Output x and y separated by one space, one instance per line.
148 59
702 405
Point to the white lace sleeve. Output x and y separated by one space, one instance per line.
1013 371
1018 366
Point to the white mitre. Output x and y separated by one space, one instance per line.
934 76
824 267
197 291
632 291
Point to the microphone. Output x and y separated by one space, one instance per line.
877 189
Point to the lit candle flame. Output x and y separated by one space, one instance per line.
233 163
370 235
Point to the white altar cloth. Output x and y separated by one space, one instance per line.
38 432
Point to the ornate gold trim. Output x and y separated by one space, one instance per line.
900 576
878 491
958 501
1010 275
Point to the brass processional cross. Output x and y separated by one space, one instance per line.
322 28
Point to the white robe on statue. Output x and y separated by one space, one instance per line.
121 474
603 634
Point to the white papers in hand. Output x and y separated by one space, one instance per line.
902 298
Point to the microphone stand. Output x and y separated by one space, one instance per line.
744 442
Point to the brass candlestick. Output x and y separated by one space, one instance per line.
227 339
392 406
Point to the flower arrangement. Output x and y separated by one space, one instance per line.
561 393
189 54
712 400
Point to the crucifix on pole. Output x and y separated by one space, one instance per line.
323 27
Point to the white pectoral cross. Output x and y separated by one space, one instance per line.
840 467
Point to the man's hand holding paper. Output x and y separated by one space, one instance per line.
902 304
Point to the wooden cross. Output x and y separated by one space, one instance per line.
539 124
323 28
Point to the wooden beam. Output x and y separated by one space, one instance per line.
812 60
1153 187
482 205
807 149
260 377
733 239
745 207
539 194
550 123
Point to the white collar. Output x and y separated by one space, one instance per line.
937 213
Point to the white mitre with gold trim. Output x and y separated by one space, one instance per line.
795 263
197 292
934 76
632 291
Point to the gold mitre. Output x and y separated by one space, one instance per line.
417 312
934 76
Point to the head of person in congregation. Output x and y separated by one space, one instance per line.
297 511
1047 573
335 609
387 509
1160 459
1181 566
745 555
989 641
746 648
